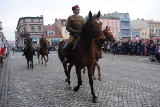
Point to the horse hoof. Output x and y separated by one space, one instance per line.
70 87
99 78
76 89
66 80
95 100
94 78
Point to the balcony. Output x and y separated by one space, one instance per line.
125 27
124 19
127 36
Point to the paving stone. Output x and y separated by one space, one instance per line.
127 81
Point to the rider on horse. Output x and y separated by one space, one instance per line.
28 42
74 26
43 43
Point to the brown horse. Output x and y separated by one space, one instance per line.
98 43
43 51
84 54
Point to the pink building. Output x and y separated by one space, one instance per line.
113 23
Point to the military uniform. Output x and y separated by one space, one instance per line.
42 42
74 25
28 42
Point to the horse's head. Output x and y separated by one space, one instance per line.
93 26
108 34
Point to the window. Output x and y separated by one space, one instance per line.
64 23
32 20
32 29
116 23
39 28
112 31
66 32
50 33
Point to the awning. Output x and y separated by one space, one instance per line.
55 40
34 39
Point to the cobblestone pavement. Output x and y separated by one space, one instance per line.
127 81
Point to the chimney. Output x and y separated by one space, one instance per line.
55 20
41 15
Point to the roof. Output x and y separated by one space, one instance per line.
41 17
54 28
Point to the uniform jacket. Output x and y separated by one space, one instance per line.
42 42
75 22
29 41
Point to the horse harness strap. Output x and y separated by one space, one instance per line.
76 42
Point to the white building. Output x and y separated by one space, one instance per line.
31 25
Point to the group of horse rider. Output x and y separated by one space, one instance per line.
28 40
74 26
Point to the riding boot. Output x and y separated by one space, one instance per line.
65 45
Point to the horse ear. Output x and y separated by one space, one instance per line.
98 15
107 27
90 14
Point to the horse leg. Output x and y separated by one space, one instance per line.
99 72
69 70
94 71
28 63
78 71
32 63
38 57
84 70
65 71
45 60
90 71
42 59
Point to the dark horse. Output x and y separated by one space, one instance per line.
83 55
29 51
43 51
98 43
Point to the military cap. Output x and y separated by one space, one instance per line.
76 7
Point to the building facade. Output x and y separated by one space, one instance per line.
125 27
119 24
141 33
52 34
31 25
61 25
152 27
114 25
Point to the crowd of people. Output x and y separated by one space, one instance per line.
146 47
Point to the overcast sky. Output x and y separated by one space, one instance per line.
12 10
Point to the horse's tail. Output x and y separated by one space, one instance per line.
60 47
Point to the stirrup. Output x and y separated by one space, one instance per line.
65 60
